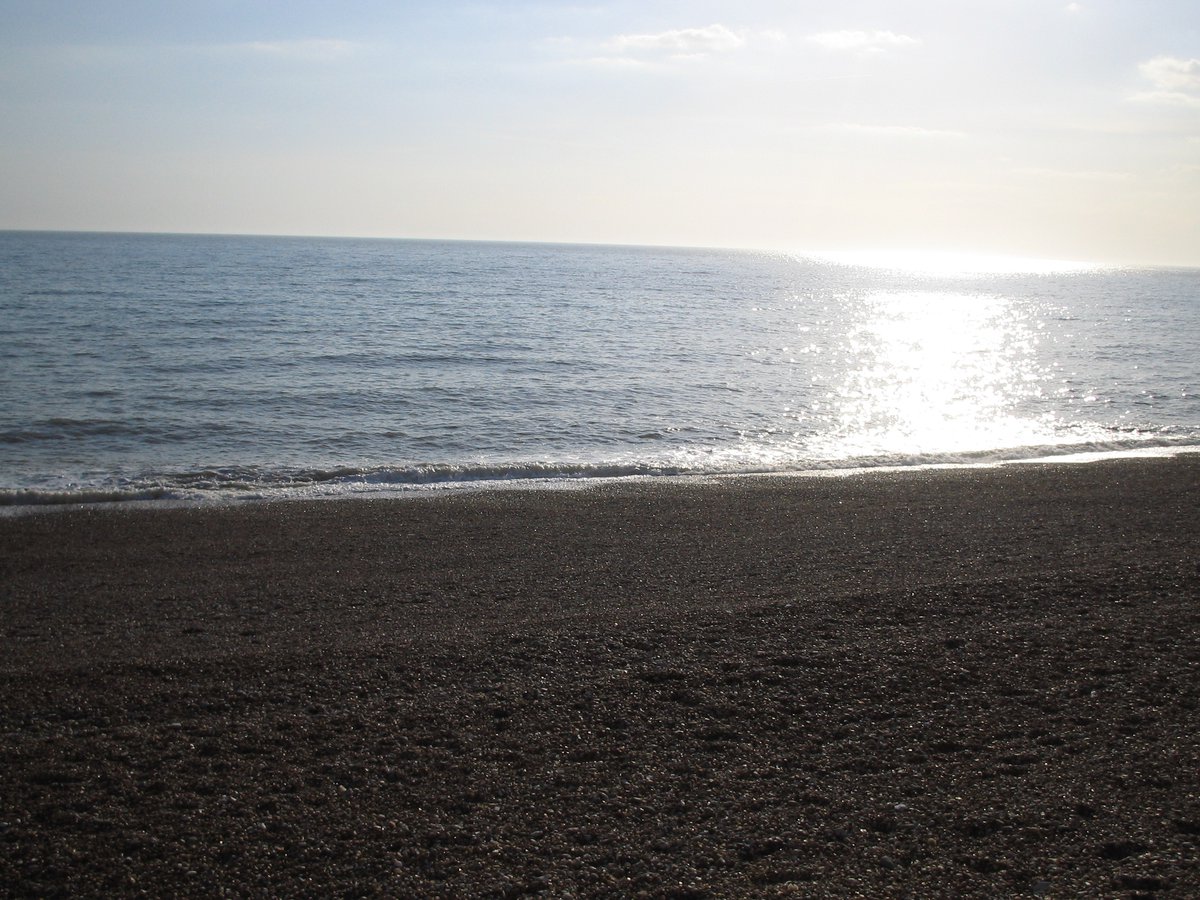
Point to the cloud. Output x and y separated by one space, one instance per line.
681 41
1074 8
1168 73
661 50
862 41
1175 81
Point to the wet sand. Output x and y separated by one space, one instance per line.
955 683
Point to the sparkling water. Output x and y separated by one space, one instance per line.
172 366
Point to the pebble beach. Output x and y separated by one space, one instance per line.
970 682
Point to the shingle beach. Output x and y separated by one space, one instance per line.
928 683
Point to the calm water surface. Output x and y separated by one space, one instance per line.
144 366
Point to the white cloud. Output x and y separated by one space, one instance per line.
1074 8
1175 81
659 51
1172 74
681 42
1167 98
862 41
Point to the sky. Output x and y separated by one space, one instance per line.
1037 128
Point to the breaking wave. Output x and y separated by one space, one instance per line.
253 483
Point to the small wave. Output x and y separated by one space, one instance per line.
33 497
246 483
439 473
261 483
57 431
68 429
1136 444
59 425
80 293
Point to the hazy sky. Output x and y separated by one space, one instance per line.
1033 127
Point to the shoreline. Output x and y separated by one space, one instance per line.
953 681
157 496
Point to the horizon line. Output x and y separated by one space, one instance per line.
825 254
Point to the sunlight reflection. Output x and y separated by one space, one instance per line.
937 372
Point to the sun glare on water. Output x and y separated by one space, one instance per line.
938 372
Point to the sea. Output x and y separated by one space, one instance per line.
181 368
